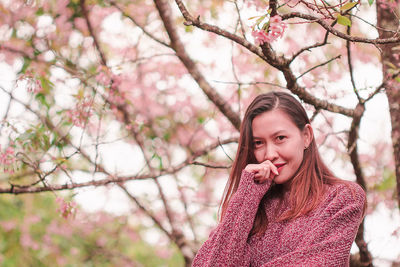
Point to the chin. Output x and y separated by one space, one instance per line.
280 180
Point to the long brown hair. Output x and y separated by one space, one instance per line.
308 182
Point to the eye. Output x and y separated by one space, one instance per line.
280 138
257 143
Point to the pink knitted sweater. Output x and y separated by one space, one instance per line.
321 238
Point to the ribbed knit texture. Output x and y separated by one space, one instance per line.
323 237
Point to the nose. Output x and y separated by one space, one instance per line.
270 152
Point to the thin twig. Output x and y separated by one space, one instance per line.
114 4
212 166
91 31
317 66
350 64
356 39
250 83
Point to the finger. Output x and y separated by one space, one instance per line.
261 176
267 175
252 168
249 168
261 169
272 167
258 175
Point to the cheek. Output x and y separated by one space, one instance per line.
299 156
258 155
292 152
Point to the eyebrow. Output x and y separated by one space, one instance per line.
274 134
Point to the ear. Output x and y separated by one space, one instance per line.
308 135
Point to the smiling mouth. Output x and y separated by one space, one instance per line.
279 166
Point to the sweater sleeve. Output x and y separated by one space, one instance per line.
227 244
333 232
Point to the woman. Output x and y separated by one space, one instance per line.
282 206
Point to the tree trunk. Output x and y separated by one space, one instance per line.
390 57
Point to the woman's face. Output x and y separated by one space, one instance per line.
277 139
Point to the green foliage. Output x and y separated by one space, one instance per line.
388 181
39 12
188 29
27 62
201 120
348 6
75 7
46 84
343 20
37 138
34 234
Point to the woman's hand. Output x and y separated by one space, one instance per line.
263 171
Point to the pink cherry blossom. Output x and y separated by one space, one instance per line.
309 83
8 225
80 114
103 77
8 160
81 25
74 251
274 31
163 253
258 4
261 37
58 228
33 84
27 241
66 208
276 27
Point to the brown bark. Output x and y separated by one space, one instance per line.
390 57
165 13
92 33
265 53
364 258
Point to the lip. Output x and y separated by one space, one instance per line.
279 166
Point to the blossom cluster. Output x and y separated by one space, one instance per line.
66 208
275 30
103 76
7 160
112 82
258 4
81 113
33 84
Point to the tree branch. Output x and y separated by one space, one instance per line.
270 57
308 48
212 166
190 20
365 255
317 66
176 44
111 178
390 40
91 31
349 62
114 4
388 18
146 211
